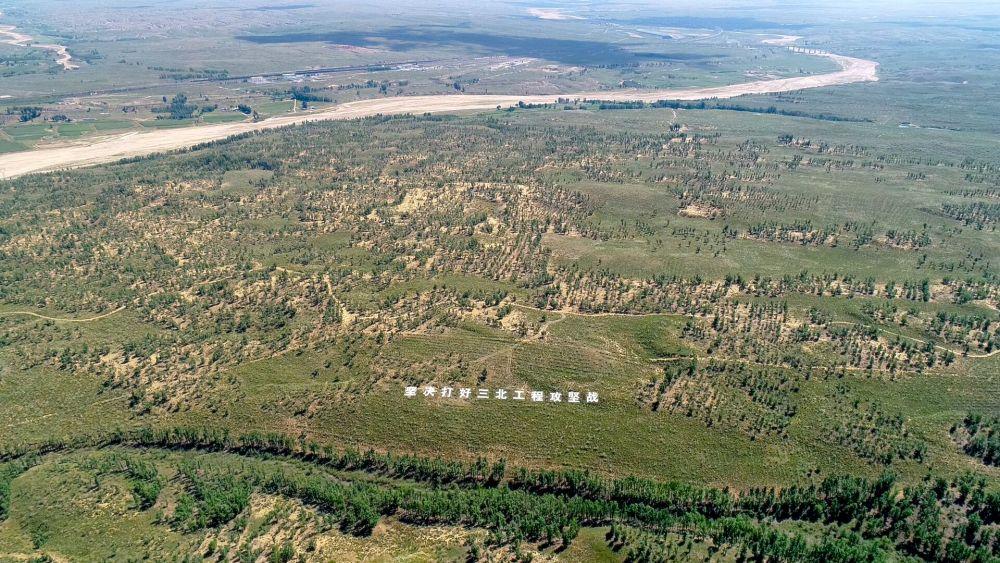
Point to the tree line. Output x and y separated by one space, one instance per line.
932 519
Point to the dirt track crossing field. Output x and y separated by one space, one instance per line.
132 144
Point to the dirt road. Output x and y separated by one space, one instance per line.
125 145
63 320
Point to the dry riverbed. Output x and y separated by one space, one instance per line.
10 36
131 144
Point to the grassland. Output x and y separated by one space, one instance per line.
333 369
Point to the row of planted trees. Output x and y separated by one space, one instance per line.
550 505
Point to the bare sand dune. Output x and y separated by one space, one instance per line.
132 144
552 14
782 40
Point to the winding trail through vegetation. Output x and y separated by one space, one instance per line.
134 144
915 339
64 320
